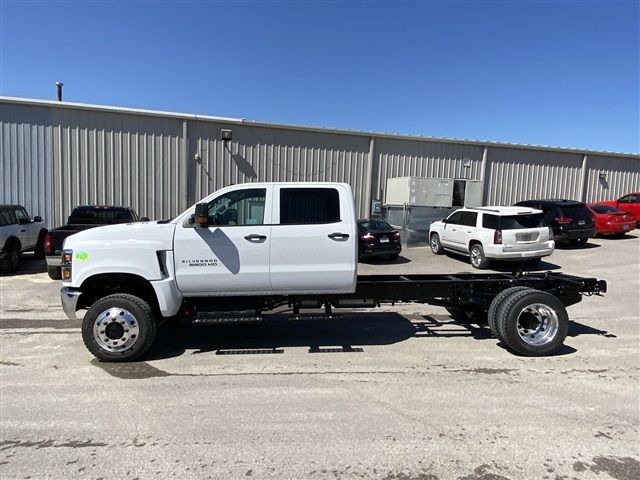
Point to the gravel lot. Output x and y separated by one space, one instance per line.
392 394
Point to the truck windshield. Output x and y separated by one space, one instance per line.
513 222
100 215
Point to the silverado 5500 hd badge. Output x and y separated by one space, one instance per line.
203 262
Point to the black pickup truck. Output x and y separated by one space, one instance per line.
83 218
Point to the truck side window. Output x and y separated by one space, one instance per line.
5 217
239 207
309 205
22 216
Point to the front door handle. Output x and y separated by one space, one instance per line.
255 237
338 236
23 231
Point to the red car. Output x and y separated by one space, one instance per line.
629 203
610 220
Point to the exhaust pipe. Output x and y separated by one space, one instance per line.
59 86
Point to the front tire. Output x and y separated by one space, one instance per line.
435 244
532 323
477 257
119 328
11 261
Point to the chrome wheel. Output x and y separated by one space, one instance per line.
537 324
116 330
476 256
435 243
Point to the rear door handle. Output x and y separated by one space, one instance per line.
23 230
255 237
338 236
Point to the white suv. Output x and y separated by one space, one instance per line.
500 233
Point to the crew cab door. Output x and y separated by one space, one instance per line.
232 255
314 239
26 230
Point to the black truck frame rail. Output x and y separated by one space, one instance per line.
470 291
525 311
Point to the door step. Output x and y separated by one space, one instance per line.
217 318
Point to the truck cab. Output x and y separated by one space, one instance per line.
248 240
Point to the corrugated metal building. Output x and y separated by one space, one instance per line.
56 155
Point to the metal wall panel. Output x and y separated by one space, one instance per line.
404 158
25 163
619 176
118 159
513 175
276 155
92 157
56 156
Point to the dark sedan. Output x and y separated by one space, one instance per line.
377 238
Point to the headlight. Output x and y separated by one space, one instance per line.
67 257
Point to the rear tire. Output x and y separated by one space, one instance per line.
534 262
129 311
532 323
495 306
38 251
477 257
434 243
394 257
54 273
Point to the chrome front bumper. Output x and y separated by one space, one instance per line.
69 297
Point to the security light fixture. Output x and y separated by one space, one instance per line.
466 163
226 135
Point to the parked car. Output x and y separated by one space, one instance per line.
571 221
629 203
611 221
83 218
500 233
376 238
18 234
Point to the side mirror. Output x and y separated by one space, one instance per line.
144 219
201 217
444 220
37 219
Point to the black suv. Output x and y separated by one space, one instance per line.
571 221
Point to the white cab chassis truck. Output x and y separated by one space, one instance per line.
250 248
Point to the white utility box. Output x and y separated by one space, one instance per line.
433 192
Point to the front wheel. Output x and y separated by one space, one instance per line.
532 323
477 257
119 328
11 262
434 243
